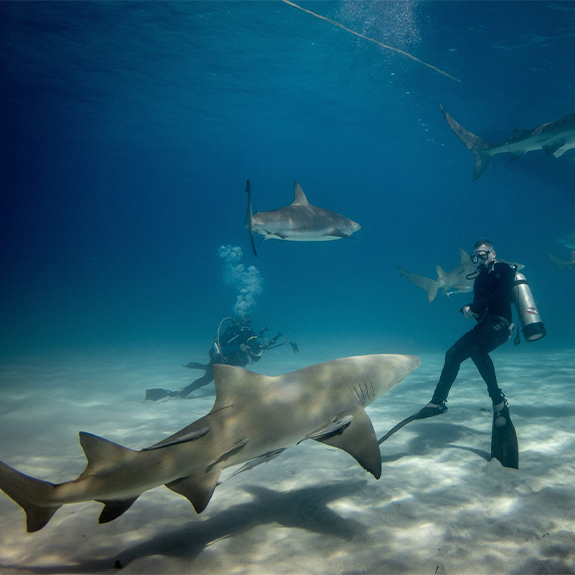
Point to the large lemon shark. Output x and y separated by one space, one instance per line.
298 222
254 418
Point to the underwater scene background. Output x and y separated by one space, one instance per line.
128 131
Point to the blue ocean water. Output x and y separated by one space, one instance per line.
128 131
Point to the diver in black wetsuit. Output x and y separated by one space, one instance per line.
238 345
491 307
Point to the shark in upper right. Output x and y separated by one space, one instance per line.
298 222
555 138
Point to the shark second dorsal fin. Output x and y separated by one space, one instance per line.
235 383
359 440
299 196
102 454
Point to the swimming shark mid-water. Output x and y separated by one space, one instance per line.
562 264
254 417
459 280
298 222
555 138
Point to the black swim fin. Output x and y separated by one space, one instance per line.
158 393
196 365
421 414
504 446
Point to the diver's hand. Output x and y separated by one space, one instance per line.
245 348
466 311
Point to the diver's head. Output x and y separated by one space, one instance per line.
245 321
483 254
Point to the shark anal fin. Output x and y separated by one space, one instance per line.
198 490
114 508
359 440
33 495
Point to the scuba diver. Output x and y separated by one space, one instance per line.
238 345
491 308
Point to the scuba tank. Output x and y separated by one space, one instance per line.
529 318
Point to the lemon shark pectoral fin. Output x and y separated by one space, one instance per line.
359 440
197 489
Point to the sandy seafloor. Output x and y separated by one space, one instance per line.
439 507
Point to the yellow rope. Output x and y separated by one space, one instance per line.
402 52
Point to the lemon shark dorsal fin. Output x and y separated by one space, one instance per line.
465 258
235 384
359 440
299 196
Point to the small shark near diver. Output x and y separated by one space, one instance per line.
298 222
555 138
254 417
562 264
459 280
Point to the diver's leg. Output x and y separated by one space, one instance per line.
455 356
491 335
208 377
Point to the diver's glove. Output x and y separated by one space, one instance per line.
466 311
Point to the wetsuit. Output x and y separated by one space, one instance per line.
230 353
492 298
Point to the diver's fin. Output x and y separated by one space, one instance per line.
504 446
196 365
249 218
421 414
33 495
359 440
158 393
197 489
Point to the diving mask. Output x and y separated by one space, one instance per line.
480 255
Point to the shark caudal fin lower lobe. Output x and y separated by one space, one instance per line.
33 495
472 142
